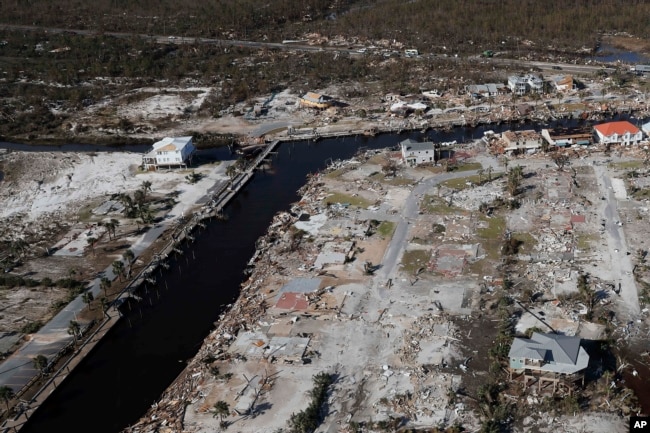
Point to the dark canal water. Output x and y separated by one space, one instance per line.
131 367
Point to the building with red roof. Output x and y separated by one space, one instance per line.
622 132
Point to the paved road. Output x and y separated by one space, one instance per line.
167 39
619 264
18 370
409 213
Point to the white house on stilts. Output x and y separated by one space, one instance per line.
169 152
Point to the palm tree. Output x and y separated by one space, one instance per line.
105 284
73 329
231 171
145 214
109 228
514 180
129 206
40 363
91 242
118 268
88 297
480 176
104 302
518 171
128 256
489 173
114 224
6 393
145 187
139 197
221 409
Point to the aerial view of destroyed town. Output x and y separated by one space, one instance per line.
324 216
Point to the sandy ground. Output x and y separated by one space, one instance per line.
53 201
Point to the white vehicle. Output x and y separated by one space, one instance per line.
411 53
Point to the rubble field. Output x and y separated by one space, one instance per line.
404 285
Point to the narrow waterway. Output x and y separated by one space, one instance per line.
135 362
128 371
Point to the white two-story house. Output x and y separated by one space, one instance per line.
169 152
415 153
621 132
520 85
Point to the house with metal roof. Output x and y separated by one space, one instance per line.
621 132
548 353
486 90
169 152
415 152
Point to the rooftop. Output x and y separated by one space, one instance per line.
619 128
172 143
413 145
562 353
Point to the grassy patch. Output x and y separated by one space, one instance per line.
626 165
641 194
86 213
495 227
433 168
484 267
571 107
529 242
395 181
386 228
462 182
336 173
377 159
584 240
467 166
492 248
437 205
491 236
415 259
420 241
338 197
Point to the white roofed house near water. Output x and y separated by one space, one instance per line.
169 152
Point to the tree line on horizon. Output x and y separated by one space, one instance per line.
459 25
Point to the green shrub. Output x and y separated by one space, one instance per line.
307 421
31 327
